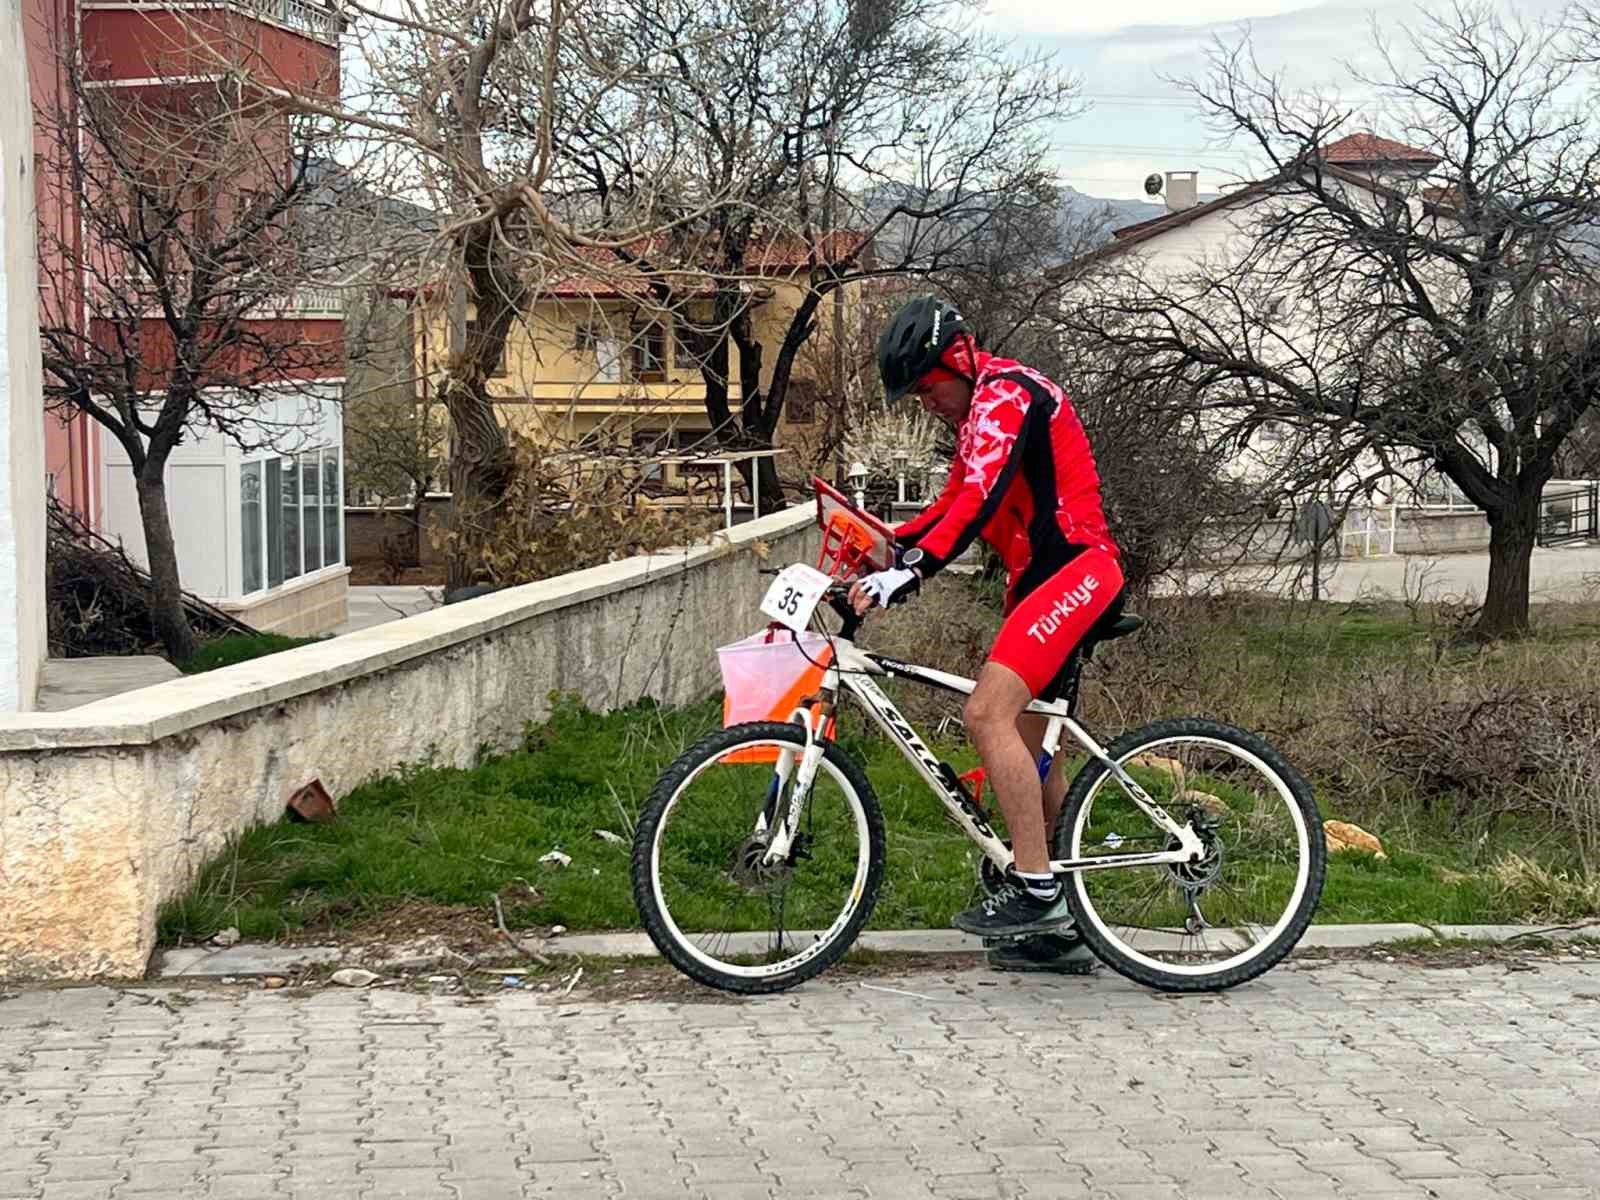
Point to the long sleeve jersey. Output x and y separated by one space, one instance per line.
1023 478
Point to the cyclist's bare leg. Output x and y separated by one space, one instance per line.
991 719
1032 726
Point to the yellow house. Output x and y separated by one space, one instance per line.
594 359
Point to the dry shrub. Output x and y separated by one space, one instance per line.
97 601
1475 735
567 509
1452 733
949 627
1493 732
1547 894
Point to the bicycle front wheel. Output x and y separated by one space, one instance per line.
1209 924
712 906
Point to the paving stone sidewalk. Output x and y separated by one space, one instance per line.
1368 1080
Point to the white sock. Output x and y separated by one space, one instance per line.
1043 886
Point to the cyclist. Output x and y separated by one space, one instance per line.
1023 478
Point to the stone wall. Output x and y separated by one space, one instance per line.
22 484
109 809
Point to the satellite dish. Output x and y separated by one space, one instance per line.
1152 185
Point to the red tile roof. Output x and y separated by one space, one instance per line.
1364 149
792 253
775 256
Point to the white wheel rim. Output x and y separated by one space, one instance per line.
821 941
1302 875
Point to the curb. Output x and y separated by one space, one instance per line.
205 962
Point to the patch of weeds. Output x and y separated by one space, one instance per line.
234 648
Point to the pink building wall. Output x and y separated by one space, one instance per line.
49 32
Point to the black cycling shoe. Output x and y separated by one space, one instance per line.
1014 910
1055 953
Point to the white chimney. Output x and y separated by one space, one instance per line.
1183 190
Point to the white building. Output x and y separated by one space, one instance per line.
1219 234
259 533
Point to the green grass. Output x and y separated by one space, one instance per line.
454 837
237 648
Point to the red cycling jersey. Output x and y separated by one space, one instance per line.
1023 478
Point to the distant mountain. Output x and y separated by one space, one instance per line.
1077 211
1107 215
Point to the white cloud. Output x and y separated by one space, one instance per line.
1031 18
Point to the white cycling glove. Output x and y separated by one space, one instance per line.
891 586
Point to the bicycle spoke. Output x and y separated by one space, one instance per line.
1229 901
738 912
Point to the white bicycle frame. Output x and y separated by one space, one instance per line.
852 671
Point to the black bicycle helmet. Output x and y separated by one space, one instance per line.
912 342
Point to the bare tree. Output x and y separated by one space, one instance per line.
195 236
463 105
837 141
1380 324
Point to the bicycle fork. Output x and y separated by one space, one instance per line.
803 767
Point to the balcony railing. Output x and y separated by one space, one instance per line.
311 300
308 301
310 18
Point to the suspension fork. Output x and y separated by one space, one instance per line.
803 766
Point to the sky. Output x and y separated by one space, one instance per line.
1126 54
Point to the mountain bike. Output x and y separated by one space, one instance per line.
1192 851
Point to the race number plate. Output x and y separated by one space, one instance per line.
794 596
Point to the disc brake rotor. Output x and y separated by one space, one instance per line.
1197 876
753 874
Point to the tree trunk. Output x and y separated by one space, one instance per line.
480 470
481 461
1513 530
767 484
171 623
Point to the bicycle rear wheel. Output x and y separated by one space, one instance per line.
710 905
1206 925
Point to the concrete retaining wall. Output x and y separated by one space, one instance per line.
110 809
1423 532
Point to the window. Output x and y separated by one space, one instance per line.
250 478
649 353
684 357
332 510
291 515
290 509
800 402
274 522
652 445
596 340
311 509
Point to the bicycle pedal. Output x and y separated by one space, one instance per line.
1009 939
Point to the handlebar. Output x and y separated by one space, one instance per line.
837 598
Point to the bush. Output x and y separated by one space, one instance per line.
238 648
570 508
